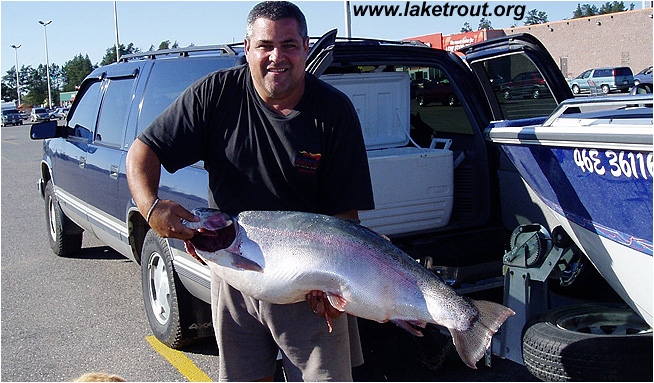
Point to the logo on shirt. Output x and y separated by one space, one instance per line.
306 162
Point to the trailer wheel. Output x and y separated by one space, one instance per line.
589 342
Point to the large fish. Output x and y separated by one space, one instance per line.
279 257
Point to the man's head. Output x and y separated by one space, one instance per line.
277 10
276 47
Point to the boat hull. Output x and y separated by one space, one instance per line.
603 199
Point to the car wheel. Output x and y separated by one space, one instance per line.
589 342
506 94
575 89
64 235
606 89
176 317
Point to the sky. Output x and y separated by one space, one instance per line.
88 27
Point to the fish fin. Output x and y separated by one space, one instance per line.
190 248
329 322
472 343
407 327
337 301
240 262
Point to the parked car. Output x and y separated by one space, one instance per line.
59 113
39 114
437 90
526 84
444 194
644 75
604 80
11 117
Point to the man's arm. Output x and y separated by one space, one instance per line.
143 174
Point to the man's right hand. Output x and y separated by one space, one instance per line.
166 220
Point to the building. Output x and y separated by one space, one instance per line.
616 39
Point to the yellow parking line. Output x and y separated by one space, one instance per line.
185 366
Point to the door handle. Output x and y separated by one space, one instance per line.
114 172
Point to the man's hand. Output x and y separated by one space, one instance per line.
166 220
318 302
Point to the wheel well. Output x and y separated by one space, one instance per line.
45 176
137 229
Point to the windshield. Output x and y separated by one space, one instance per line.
39 110
10 111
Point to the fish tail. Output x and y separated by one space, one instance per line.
472 343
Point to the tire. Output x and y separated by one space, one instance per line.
606 89
64 235
589 342
535 94
575 90
176 317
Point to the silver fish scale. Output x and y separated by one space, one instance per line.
300 252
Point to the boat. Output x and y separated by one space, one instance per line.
590 163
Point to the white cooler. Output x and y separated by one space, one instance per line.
413 187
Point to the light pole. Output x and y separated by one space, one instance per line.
47 61
116 28
17 81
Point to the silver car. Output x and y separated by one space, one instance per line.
39 114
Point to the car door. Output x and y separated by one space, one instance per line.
69 158
105 153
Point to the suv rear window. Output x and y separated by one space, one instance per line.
519 87
623 71
168 80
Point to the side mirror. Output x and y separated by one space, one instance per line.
44 130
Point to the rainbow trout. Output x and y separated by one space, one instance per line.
279 257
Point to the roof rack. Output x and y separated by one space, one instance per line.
183 52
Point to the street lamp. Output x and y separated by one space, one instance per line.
17 81
47 61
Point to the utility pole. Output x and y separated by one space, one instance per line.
116 28
17 80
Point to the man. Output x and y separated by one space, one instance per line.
272 138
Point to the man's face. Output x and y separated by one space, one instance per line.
277 56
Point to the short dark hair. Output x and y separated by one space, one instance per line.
277 10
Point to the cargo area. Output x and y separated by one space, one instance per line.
412 185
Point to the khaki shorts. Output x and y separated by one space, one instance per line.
250 334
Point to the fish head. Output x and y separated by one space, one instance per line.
216 239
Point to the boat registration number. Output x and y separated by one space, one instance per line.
615 163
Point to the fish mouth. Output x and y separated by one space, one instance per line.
215 230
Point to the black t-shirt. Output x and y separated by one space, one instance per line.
312 160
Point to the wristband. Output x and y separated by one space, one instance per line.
147 217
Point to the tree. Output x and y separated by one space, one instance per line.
608 7
166 45
536 17
484 23
9 89
612 7
74 72
585 11
38 86
110 55
466 27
